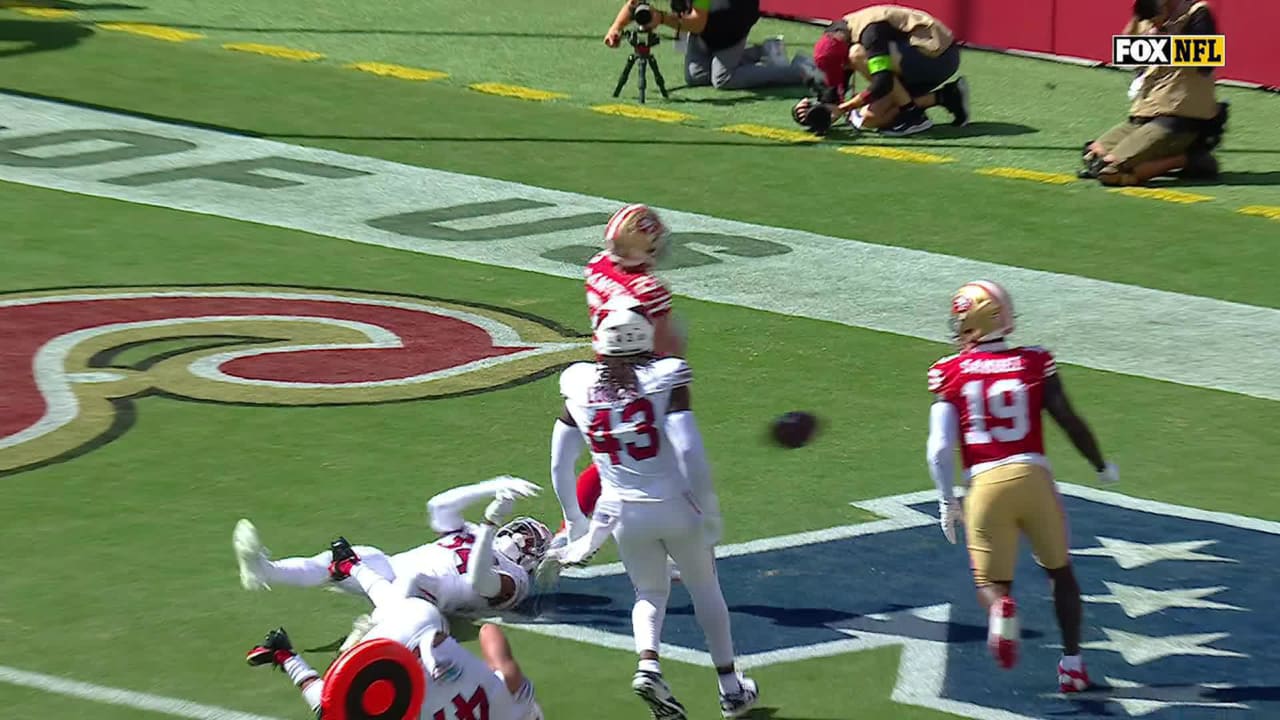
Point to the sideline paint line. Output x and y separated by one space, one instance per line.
47 13
1013 173
1265 211
158 32
124 698
397 71
1173 196
888 153
517 91
770 133
643 113
1125 329
275 51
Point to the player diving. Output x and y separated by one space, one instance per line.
987 404
469 569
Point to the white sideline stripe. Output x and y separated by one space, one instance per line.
1179 338
123 698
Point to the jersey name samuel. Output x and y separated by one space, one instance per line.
991 367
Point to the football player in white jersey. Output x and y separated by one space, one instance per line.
632 408
459 685
470 569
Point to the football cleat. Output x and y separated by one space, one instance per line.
654 690
1002 633
274 650
250 556
741 702
909 122
1072 681
343 559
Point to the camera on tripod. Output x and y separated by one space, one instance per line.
642 13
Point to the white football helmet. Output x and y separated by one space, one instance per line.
635 236
524 541
623 329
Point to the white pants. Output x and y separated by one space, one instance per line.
647 534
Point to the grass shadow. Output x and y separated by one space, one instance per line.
35 36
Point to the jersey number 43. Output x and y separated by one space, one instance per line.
630 430
997 412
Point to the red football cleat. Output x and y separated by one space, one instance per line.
1002 632
1072 681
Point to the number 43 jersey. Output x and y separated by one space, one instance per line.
626 434
998 394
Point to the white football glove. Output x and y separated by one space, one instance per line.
500 508
950 514
1109 475
517 487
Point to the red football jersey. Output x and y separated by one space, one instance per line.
998 393
606 280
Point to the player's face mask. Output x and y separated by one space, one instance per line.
524 541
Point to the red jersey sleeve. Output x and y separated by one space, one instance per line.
1046 366
652 294
940 376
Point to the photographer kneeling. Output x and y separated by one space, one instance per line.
717 53
1175 121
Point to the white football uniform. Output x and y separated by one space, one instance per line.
626 437
437 572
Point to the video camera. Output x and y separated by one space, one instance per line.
817 119
642 12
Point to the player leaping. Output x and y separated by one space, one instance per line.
634 241
469 569
988 401
633 410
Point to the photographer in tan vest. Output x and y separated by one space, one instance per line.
1175 120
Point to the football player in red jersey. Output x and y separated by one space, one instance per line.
634 240
987 403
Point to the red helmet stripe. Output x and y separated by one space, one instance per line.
620 217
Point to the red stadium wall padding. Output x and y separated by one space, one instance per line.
1078 28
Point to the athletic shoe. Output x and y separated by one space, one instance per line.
359 628
1072 681
741 702
775 52
343 559
954 96
1002 632
250 555
909 123
274 650
654 690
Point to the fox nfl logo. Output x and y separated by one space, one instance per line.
1169 50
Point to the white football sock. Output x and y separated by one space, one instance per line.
1072 662
646 619
729 683
311 694
300 571
651 666
298 670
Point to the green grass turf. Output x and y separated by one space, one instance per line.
135 571
1028 113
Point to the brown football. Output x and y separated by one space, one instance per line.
794 429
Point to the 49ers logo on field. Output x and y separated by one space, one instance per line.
75 359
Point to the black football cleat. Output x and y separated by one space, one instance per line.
342 560
274 650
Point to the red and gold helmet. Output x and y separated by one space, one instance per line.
634 236
981 311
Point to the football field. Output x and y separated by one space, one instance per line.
311 263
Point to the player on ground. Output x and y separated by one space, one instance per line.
633 410
469 569
459 686
987 402
634 240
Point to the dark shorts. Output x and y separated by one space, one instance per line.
922 74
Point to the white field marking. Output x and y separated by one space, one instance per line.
123 698
1179 338
62 407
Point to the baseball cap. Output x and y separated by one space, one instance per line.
831 54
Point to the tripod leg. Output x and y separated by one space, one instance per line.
644 67
626 73
657 77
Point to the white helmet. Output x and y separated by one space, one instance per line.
623 329
635 236
524 541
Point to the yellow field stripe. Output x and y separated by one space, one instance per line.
398 71
1266 211
639 112
48 13
275 51
517 91
1014 173
770 133
887 153
159 32
1173 196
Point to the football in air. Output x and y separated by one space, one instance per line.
794 429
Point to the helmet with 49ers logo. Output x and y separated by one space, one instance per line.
635 236
981 311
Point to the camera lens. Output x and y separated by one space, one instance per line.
642 14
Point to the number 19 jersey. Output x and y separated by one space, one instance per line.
998 394
628 443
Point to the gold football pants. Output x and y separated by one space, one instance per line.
1004 503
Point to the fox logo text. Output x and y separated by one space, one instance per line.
1169 50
